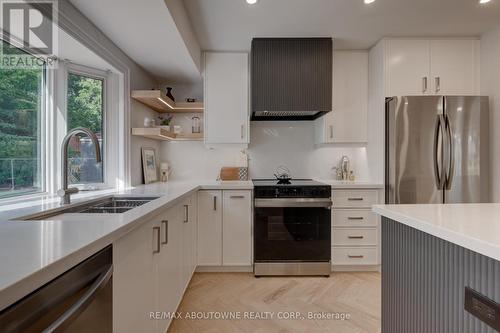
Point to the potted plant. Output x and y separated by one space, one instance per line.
165 121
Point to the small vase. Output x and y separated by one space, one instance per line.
169 94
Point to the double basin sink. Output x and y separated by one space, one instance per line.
106 205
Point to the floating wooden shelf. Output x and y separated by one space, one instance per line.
158 133
160 102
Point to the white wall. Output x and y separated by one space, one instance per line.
272 144
82 29
490 86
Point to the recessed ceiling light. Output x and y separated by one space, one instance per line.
251 2
369 1
484 1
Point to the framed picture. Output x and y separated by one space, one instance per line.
149 165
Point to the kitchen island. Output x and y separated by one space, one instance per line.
437 260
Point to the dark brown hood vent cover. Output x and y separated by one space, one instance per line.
291 78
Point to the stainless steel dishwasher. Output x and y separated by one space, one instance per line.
79 300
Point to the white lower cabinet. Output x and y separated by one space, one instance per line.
135 280
210 228
225 228
152 268
170 282
189 239
355 228
237 228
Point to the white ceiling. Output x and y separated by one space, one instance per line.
227 25
147 33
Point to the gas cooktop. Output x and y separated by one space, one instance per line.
291 182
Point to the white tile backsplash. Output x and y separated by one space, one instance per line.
272 144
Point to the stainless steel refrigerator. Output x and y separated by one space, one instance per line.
437 149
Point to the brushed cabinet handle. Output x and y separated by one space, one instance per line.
331 131
355 199
165 234
157 231
237 197
215 202
355 237
186 213
438 84
242 129
355 257
424 84
355 218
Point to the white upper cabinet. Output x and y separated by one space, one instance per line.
350 105
431 67
226 98
408 67
347 123
455 67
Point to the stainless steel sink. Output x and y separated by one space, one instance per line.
106 205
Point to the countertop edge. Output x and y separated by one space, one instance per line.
462 240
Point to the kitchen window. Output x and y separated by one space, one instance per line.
85 108
38 106
21 129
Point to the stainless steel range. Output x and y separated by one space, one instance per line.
292 227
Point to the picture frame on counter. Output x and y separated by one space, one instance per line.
149 165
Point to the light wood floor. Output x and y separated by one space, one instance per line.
356 294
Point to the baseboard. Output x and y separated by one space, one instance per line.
356 268
225 269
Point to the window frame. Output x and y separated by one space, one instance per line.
42 126
65 69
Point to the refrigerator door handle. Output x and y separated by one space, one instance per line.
438 150
451 160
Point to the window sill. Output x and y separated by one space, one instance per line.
47 199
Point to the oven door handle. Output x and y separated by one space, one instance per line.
294 202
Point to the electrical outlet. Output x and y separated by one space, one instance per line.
480 306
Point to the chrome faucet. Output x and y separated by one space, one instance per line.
66 192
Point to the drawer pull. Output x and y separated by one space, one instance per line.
355 237
355 199
237 197
355 218
355 257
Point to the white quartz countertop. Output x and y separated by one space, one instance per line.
34 252
473 226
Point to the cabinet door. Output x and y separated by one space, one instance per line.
350 110
169 265
135 281
454 67
188 257
210 228
226 98
237 228
323 129
408 67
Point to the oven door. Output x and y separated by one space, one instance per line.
289 233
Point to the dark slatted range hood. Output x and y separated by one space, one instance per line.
291 78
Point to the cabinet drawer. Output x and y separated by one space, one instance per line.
353 218
354 198
354 236
354 255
